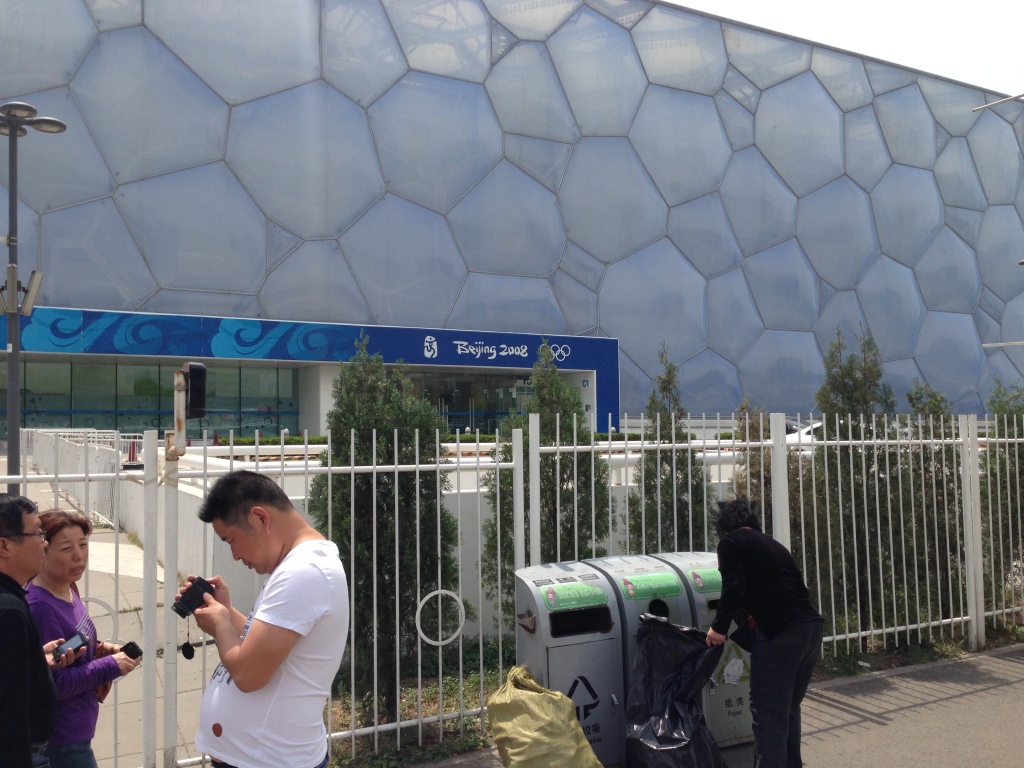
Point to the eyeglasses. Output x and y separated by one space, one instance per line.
40 534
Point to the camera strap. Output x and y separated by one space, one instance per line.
187 649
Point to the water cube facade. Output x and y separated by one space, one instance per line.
616 168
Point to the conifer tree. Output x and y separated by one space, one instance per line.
396 539
574 487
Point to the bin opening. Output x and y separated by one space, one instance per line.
585 621
658 607
713 605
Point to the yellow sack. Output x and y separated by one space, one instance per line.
536 728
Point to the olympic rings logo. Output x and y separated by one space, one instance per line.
560 351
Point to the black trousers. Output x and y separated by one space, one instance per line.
780 671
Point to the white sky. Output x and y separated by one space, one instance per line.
977 42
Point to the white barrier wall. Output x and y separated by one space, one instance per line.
199 550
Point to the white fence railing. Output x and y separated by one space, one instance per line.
908 530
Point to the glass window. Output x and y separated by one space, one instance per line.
94 395
259 401
3 398
47 394
288 399
222 401
138 399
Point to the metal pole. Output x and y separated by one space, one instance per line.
174 448
534 425
151 530
170 745
518 501
780 480
996 103
13 321
973 546
15 116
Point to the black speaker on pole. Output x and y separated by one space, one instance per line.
195 390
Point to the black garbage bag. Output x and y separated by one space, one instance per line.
665 726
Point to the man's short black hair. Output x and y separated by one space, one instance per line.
235 494
734 514
12 514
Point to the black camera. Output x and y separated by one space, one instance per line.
193 597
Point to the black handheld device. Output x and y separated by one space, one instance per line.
131 649
73 643
193 598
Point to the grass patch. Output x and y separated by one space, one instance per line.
1003 634
430 743
850 661
411 753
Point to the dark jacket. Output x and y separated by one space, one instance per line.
760 577
28 700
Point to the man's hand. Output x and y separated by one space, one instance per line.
715 638
220 589
66 660
213 614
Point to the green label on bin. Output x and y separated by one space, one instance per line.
566 597
644 586
707 580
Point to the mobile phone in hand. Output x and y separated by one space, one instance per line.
73 643
131 649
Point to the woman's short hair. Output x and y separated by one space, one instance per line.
734 514
56 520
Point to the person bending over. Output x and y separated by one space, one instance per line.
760 579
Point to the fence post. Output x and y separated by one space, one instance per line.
56 471
534 423
174 449
970 476
150 463
170 618
780 479
518 506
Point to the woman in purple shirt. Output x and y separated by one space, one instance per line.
59 612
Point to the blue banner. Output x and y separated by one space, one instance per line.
73 331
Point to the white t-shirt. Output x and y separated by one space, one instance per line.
282 723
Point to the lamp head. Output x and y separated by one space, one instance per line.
47 125
19 115
18 110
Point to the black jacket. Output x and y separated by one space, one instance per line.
760 577
28 699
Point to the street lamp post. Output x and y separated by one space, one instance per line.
15 118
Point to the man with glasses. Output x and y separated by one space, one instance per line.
28 699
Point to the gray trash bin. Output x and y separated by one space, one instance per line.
727 703
569 635
644 584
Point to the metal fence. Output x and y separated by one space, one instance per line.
908 530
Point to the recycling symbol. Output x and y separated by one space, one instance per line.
594 700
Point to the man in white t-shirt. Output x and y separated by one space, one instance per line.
264 705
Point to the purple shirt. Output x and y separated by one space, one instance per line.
78 706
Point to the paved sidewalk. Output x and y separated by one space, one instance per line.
116 606
946 714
